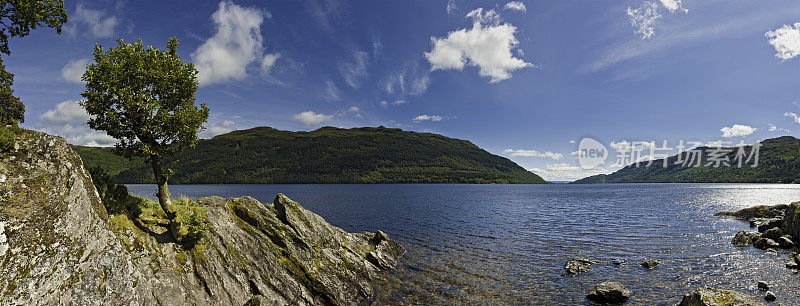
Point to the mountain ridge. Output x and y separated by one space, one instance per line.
264 155
779 162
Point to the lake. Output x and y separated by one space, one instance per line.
507 244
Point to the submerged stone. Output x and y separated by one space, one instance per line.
609 292
716 297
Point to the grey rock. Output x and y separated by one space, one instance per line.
791 220
765 243
763 286
770 224
786 242
743 238
716 297
578 265
650 264
60 247
609 292
773 233
770 297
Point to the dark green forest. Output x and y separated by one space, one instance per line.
265 155
779 162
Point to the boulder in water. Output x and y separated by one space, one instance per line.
770 297
716 297
650 264
766 243
609 292
762 285
786 242
743 238
578 265
773 233
770 224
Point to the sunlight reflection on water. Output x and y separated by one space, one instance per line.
508 243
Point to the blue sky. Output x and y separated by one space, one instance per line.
523 79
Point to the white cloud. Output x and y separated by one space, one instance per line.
795 117
434 118
572 141
624 145
385 104
516 6
644 18
74 69
451 7
737 130
236 44
95 22
488 45
331 92
218 128
533 153
566 172
68 119
310 118
408 81
786 41
269 61
673 5
64 112
353 72
773 128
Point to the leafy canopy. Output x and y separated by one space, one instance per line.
17 19
145 98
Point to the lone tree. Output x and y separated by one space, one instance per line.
144 97
17 19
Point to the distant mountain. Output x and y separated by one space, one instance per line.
779 162
265 155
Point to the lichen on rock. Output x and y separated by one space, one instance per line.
58 245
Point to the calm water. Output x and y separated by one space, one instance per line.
507 243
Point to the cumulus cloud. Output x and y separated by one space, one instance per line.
737 130
74 69
533 153
91 22
236 44
773 128
64 112
516 6
434 118
219 128
644 18
624 145
488 45
310 118
68 119
786 41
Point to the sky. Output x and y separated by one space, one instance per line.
522 79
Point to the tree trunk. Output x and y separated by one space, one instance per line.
160 174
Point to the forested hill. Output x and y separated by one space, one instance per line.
779 162
265 155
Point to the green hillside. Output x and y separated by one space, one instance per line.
328 155
779 162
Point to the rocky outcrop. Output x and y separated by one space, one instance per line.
609 292
791 220
716 297
59 246
760 211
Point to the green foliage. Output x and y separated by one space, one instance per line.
6 141
144 97
779 162
327 155
115 197
17 19
196 227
